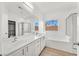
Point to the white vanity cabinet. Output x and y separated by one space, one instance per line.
33 48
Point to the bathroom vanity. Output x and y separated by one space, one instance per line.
22 40
26 46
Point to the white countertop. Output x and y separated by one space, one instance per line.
9 46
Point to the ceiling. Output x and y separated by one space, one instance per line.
18 9
45 8
53 7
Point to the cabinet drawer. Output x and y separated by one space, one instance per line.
37 49
26 51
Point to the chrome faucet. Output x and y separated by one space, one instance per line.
14 39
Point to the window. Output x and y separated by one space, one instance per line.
36 25
11 28
52 25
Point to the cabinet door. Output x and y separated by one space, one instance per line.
42 43
31 49
19 52
37 48
26 51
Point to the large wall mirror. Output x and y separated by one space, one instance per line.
11 28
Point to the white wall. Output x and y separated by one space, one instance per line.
0 26
0 21
78 30
4 17
60 16
78 34
78 27
78 23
